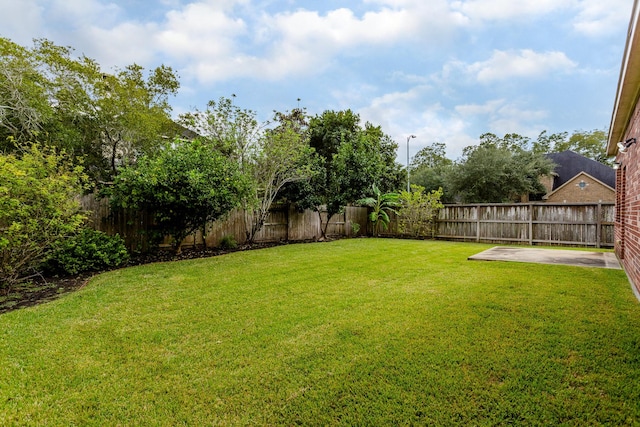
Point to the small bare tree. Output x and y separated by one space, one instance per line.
283 156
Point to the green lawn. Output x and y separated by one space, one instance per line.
352 332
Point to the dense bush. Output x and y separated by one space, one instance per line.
185 186
228 242
38 208
418 211
90 250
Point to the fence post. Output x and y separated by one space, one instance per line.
530 224
599 225
477 223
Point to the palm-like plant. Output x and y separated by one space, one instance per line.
381 205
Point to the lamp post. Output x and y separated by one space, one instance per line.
408 180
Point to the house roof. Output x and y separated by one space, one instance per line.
580 175
628 85
570 164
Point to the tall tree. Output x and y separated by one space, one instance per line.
24 103
547 141
349 159
430 169
132 112
271 154
48 96
232 130
591 144
491 174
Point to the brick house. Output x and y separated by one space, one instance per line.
579 179
623 131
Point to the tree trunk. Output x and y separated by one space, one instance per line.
323 229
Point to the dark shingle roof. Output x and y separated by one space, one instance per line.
569 164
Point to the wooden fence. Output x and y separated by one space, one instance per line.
522 223
285 223
579 224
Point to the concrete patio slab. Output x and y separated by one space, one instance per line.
549 256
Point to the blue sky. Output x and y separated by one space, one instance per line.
443 70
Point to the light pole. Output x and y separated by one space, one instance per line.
408 184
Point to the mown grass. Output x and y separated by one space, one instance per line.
353 332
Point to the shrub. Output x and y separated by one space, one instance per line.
355 228
228 242
90 250
38 208
418 211
185 185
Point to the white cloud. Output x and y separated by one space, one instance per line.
493 10
409 113
514 119
525 63
488 108
213 41
504 117
22 30
597 17
200 32
121 45
293 43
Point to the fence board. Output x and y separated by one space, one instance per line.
583 224
529 223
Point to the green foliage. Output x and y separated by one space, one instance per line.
355 228
491 173
547 142
132 113
381 206
591 144
231 130
89 250
38 208
283 156
105 120
418 211
432 156
348 159
430 168
228 242
270 157
185 186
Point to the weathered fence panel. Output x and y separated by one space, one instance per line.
577 224
530 223
284 223
132 226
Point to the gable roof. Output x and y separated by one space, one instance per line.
570 164
574 179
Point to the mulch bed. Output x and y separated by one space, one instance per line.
41 289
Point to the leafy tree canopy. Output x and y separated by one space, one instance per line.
49 96
349 159
591 144
233 131
185 185
493 174
430 169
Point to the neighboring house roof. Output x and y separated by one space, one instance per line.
570 164
577 178
628 85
